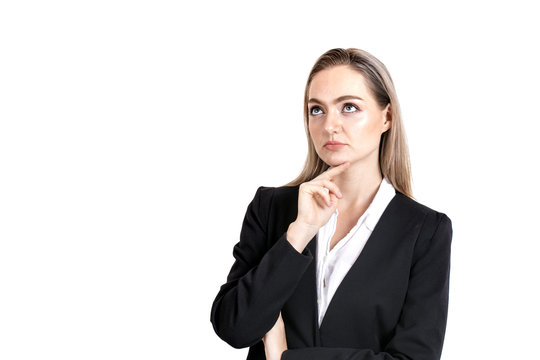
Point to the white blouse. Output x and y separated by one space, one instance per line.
332 266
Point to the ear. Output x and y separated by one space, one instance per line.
387 118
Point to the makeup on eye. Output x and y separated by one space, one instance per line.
315 110
347 108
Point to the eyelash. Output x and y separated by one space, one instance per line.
354 106
314 108
344 106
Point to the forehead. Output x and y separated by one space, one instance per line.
337 81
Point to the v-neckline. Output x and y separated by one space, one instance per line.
347 237
367 248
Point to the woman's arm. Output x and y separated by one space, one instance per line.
262 278
275 341
266 271
420 332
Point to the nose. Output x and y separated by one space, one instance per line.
333 122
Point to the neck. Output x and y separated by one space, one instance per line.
358 184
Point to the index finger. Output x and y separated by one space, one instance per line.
336 170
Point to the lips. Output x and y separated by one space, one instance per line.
333 143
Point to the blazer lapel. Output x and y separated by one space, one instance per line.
312 278
393 223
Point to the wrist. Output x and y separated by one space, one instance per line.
299 235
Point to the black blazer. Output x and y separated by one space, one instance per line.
392 304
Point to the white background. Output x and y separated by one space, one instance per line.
133 135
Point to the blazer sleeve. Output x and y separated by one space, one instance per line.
420 332
264 275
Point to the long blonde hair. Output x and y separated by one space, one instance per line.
394 160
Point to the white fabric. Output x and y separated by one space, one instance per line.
332 266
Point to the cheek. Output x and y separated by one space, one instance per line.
366 130
313 130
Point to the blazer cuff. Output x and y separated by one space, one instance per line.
289 254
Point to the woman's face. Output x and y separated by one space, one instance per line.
345 121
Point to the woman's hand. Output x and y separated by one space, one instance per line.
317 201
274 341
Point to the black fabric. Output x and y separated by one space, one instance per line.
392 304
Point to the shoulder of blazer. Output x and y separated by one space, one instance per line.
413 205
433 224
283 195
285 199
279 206
287 194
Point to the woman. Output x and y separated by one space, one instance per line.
341 263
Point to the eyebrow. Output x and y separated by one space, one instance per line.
339 99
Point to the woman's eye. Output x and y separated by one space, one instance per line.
316 110
350 108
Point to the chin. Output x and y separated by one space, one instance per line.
335 161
